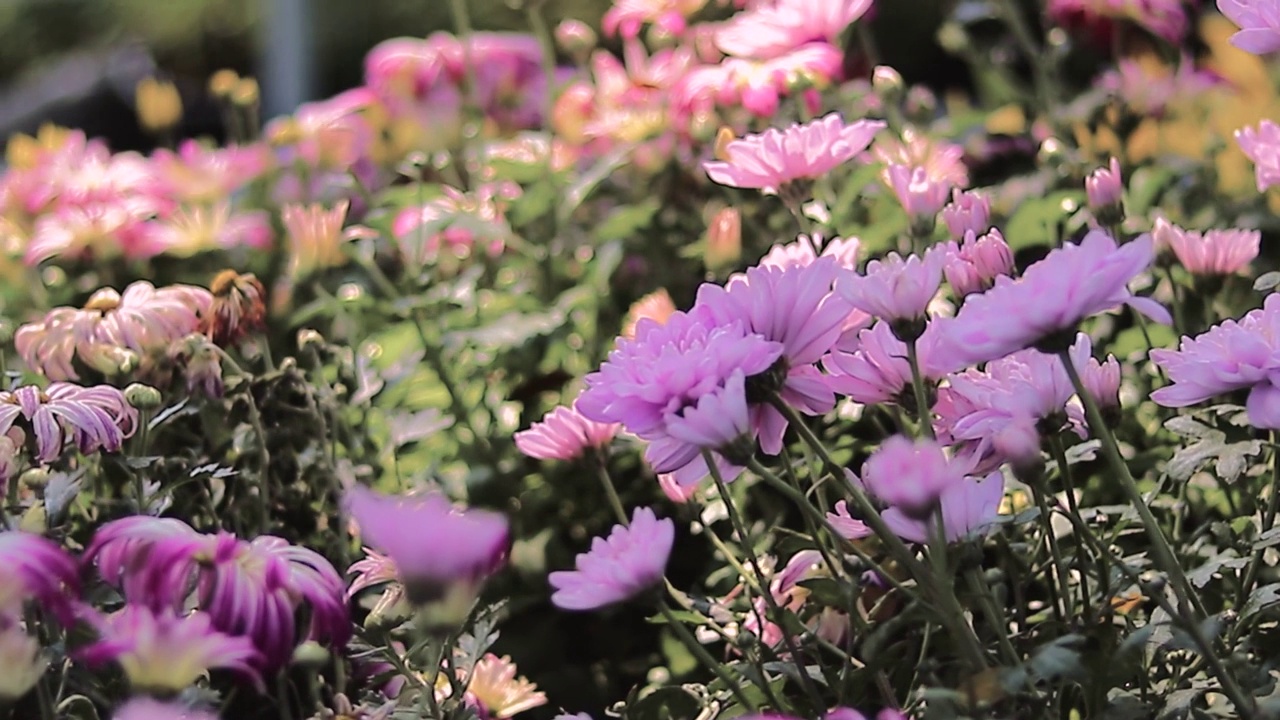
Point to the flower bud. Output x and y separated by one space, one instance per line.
968 212
1105 190
246 93
311 654
576 38
724 240
308 337
887 83
158 105
222 83
656 306
143 397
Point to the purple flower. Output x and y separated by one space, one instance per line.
845 524
878 371
1228 356
442 554
975 264
1216 252
254 589
93 418
1259 22
968 212
1105 187
564 434
1262 146
651 380
794 307
894 289
805 250
920 195
1048 302
968 507
149 709
910 475
628 562
33 568
165 653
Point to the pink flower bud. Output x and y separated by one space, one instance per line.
968 212
724 239
575 37
975 265
920 195
1105 187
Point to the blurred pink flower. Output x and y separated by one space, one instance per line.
1259 22
33 568
142 320
896 289
943 161
877 371
630 561
1262 146
1215 252
1105 187
968 507
314 236
457 221
94 418
1070 284
564 434
144 708
845 524
1165 18
974 265
919 195
627 17
805 250
829 624
910 475
97 230
776 158
770 29
500 692
1148 92
164 653
192 229
200 174
968 212
1229 356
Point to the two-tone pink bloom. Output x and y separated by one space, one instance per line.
1229 356
777 158
974 264
374 570
163 652
920 195
93 418
896 289
564 434
442 554
630 561
627 17
1259 22
1070 284
1262 146
256 589
1215 252
497 689
34 569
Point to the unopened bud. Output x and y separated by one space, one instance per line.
35 478
887 83
308 337
158 105
310 654
222 83
724 239
576 38
143 397
246 93
723 138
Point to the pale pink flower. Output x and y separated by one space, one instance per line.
1262 146
807 249
919 195
968 507
500 692
144 708
1259 22
627 17
200 174
373 570
895 289
564 434
976 263
315 237
1105 187
788 594
759 86
1216 252
100 230
632 560
776 158
910 475
968 212
877 371
192 229
774 28
845 524
943 161
1151 92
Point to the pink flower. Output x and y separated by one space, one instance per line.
1262 146
878 371
775 158
470 545
564 434
1165 18
148 709
94 418
975 264
1105 187
193 229
1102 381
894 289
34 569
805 250
968 212
772 29
165 653
1151 92
315 237
500 692
943 161
968 507
1216 252
455 221
626 17
1259 22
758 86
920 195
1052 297
830 624
846 525
910 475
629 562
1228 356
200 174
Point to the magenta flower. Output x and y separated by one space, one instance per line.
149 709
94 418
776 158
968 507
894 289
1259 22
768 30
629 562
920 195
1262 146
165 653
1104 187
877 371
142 320
1229 356
968 212
33 568
1216 252
1164 18
796 308
910 475
846 525
564 434
465 546
1052 297
253 589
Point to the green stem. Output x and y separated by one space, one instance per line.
923 413
602 471
1063 594
1268 522
1064 472
704 657
995 616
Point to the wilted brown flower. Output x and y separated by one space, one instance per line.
239 307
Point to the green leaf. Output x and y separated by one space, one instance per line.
625 222
664 703
1037 221
1145 186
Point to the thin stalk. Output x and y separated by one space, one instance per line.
434 656
1064 472
704 657
995 616
602 471
917 382
1268 522
1063 595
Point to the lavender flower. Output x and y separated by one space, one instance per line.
1216 252
1259 22
910 475
33 568
625 564
93 418
895 289
564 434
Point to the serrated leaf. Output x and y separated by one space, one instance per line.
1189 427
1203 574
1260 599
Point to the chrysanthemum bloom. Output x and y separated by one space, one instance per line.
921 196
468 546
895 290
1229 356
33 568
1104 189
631 561
94 418
829 624
378 569
165 653
797 308
968 212
202 175
1216 252
238 308
200 363
1164 18
974 265
943 161
910 476
256 589
192 229
776 160
1259 22
1262 146
968 507
877 371
150 709
22 660
564 434
142 320
768 30
656 378
758 86
657 306
500 692
627 17
315 237
805 250
1052 297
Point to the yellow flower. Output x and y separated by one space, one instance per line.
158 105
